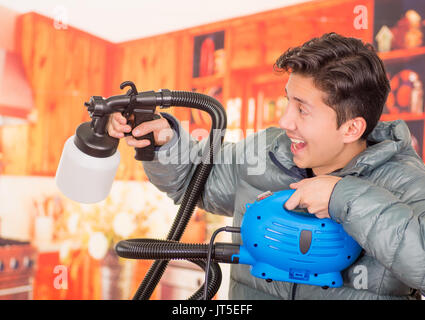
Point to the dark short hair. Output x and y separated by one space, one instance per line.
347 70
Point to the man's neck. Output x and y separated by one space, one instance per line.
345 157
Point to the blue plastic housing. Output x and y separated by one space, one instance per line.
296 247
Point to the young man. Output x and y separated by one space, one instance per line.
343 163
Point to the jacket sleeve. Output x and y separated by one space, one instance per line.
174 165
387 228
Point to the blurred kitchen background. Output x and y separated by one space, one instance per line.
54 55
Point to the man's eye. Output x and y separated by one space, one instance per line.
301 110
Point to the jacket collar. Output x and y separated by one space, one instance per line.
387 139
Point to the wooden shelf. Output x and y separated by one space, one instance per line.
402 54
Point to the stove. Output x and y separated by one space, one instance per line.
17 265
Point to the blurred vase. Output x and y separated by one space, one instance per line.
116 277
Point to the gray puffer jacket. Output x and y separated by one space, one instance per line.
380 202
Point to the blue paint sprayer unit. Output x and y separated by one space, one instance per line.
290 246
280 245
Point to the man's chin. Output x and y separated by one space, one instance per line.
300 164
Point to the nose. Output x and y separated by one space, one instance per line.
288 121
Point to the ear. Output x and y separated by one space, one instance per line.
353 129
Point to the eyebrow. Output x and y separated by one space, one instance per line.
299 99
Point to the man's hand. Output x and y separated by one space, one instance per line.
313 194
162 132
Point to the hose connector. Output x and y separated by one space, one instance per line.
165 98
226 252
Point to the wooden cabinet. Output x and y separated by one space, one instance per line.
64 67
245 45
292 26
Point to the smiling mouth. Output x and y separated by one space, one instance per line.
297 145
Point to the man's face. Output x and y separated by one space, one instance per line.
312 127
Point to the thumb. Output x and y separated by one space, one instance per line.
293 201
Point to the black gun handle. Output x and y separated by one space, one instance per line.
145 153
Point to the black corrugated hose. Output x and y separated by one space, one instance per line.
150 249
190 198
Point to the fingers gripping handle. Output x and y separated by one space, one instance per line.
146 153
140 114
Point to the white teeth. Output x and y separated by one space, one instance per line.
297 141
